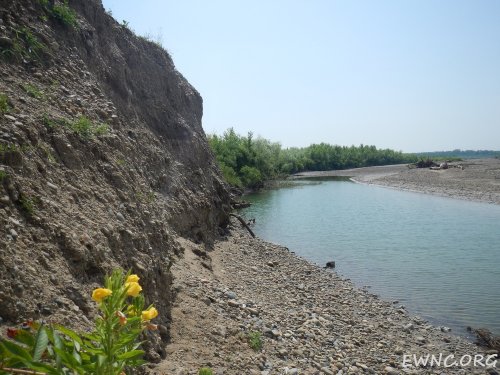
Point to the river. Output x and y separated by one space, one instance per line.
439 257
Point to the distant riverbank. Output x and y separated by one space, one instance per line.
473 179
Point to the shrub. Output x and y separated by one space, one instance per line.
111 348
255 341
251 177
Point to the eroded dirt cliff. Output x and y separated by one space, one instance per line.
103 163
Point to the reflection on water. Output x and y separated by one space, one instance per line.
437 256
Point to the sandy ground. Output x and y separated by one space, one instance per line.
473 179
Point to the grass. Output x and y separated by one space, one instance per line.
148 197
255 340
33 91
205 371
25 46
48 154
28 204
61 12
4 104
83 126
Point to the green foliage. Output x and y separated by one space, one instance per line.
248 162
251 177
82 126
25 46
110 349
205 371
33 91
4 104
28 204
255 341
61 12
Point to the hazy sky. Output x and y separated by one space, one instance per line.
413 75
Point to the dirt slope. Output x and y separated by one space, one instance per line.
103 163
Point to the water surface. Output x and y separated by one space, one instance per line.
437 256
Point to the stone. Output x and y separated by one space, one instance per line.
330 264
231 295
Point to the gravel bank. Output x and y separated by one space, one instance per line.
474 179
311 320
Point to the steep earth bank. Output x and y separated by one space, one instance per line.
103 163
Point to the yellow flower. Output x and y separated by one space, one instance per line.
149 314
133 288
100 293
132 279
131 311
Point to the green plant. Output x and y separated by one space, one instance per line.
48 154
148 197
28 204
4 104
3 175
82 126
24 46
110 349
205 371
33 91
255 340
64 14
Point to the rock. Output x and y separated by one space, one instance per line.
391 370
408 327
5 42
233 303
330 264
231 295
13 233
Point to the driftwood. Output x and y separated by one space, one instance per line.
487 339
242 221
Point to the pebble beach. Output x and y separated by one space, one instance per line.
308 319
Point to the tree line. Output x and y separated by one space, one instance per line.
246 161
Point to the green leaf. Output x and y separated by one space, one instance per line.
77 357
131 355
59 345
73 335
16 350
41 342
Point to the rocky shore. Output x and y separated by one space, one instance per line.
310 320
472 179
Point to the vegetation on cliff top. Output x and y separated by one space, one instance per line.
246 161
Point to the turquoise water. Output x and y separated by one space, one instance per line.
439 257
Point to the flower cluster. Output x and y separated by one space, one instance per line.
132 289
109 349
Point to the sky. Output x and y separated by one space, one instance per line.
414 75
